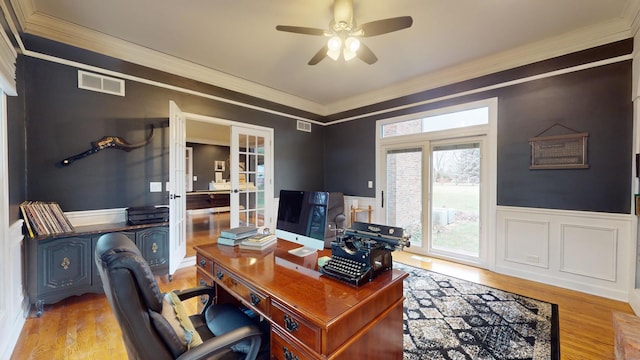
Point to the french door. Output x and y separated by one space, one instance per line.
432 189
250 176
177 188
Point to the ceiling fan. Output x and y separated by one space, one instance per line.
344 33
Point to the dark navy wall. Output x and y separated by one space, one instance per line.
58 120
597 101
350 156
62 120
204 158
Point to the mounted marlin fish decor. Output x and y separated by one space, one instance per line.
107 142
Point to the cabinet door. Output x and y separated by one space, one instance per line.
66 264
96 281
153 244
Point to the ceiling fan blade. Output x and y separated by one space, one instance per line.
301 30
384 26
365 54
321 54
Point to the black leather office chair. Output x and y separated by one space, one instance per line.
147 318
335 214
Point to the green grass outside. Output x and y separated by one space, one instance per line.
461 235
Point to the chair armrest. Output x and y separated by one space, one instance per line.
222 343
209 291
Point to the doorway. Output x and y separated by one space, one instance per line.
437 180
455 199
238 179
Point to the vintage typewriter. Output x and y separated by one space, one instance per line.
363 252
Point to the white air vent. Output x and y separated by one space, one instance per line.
304 126
100 83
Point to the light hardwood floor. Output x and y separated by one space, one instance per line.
83 327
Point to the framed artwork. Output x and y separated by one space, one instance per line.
559 152
219 165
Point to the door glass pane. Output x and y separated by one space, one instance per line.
251 171
403 198
455 194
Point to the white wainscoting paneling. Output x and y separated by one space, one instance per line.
94 217
529 242
584 251
589 251
14 303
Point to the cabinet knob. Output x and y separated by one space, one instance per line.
202 282
290 324
203 262
288 355
255 299
219 274
65 263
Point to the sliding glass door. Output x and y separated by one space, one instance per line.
432 190
455 199
404 189
434 180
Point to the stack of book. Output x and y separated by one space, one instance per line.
235 236
258 242
44 218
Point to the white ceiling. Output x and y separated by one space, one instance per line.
234 43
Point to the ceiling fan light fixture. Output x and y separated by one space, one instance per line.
344 33
334 54
352 43
334 43
348 54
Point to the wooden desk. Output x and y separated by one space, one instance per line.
311 316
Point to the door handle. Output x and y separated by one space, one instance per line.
236 191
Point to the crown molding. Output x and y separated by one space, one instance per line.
632 16
39 24
48 27
561 45
23 9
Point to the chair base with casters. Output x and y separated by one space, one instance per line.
156 326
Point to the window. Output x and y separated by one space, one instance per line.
453 120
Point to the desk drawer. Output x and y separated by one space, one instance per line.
204 278
203 263
295 326
250 295
283 349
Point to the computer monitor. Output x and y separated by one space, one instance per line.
302 219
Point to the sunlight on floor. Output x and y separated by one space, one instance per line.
447 268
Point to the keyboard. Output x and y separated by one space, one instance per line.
347 270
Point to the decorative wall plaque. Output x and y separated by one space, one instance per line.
559 151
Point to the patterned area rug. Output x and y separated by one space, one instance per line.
449 318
